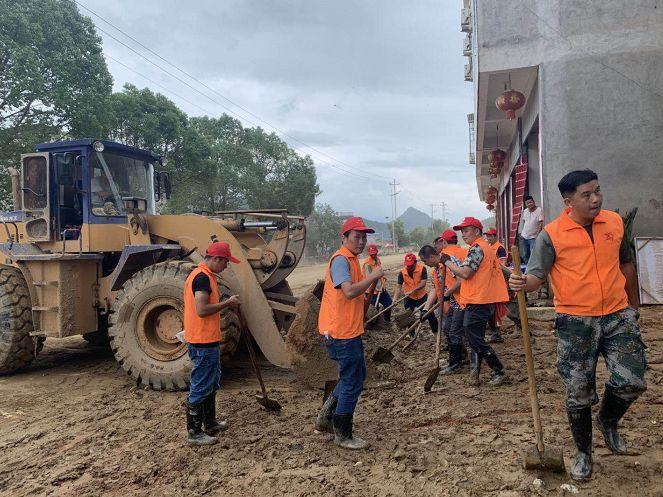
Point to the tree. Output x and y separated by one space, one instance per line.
324 226
54 82
424 236
399 228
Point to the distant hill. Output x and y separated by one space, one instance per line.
411 218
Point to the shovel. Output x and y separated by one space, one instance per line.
263 400
432 376
539 456
385 356
385 310
414 338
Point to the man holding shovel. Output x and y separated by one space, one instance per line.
482 287
412 282
341 323
381 295
202 332
595 287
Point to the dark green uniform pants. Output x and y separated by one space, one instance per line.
582 339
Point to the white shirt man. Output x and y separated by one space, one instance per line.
532 226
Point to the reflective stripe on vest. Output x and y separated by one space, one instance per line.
411 282
340 317
459 253
486 285
197 329
586 277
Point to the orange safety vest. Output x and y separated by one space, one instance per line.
486 285
586 277
411 282
369 260
496 246
459 253
340 317
197 329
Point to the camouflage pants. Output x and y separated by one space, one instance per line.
582 339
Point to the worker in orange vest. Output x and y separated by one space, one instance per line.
412 282
202 333
500 252
447 243
590 266
341 323
380 295
482 287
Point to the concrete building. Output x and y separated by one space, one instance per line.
592 75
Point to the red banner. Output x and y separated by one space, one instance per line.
517 210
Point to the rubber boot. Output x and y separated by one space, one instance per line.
580 421
194 426
324 421
464 361
343 436
495 337
454 359
387 316
475 368
499 376
611 411
211 425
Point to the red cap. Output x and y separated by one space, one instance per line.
357 224
469 221
448 236
372 249
221 249
410 259
491 231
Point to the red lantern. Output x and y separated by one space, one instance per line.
490 207
496 156
491 199
491 190
510 101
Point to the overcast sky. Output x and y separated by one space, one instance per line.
377 85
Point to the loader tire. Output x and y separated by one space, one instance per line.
146 315
17 347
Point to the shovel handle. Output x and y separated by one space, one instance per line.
529 358
369 296
254 362
385 309
438 340
416 323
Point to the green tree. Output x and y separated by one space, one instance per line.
323 225
54 82
398 228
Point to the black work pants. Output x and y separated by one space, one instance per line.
474 322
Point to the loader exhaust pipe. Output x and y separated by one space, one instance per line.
16 188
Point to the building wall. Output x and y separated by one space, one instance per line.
601 92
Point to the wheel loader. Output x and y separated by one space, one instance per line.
85 253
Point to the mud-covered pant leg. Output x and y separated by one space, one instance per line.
624 354
474 321
446 326
577 354
349 355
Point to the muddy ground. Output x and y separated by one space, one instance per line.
75 424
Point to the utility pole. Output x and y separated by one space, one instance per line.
432 212
393 214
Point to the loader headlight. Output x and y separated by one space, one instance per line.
98 146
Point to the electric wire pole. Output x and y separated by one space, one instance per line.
393 214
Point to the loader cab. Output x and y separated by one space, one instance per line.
68 184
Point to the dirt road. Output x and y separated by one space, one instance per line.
74 424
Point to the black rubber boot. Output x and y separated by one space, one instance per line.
454 359
475 368
611 411
464 361
211 425
495 336
580 421
499 376
194 426
343 436
387 316
324 421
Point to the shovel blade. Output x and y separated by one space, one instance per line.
551 459
432 378
383 355
267 403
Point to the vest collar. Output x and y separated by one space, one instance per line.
567 223
206 268
346 253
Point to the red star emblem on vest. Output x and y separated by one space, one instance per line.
609 237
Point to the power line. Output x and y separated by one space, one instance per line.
215 92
